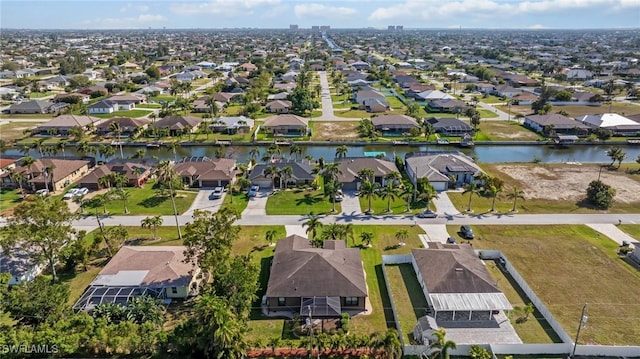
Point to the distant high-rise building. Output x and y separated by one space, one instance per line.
391 28
325 27
293 27
315 27
395 28
399 27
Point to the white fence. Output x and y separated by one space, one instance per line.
608 350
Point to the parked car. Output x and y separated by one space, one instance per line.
451 240
427 214
338 197
71 194
217 193
253 191
42 192
466 232
81 192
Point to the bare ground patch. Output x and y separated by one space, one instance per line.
569 182
347 130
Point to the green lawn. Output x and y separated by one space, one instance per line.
34 95
535 329
8 198
406 290
567 266
353 113
44 116
148 105
491 99
398 206
340 98
130 113
631 229
394 102
299 201
15 130
163 98
238 201
145 201
487 114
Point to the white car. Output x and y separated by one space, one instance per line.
42 192
81 192
253 191
71 194
217 193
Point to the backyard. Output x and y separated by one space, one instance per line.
407 296
576 111
568 265
8 198
504 131
15 130
631 229
123 113
335 131
554 188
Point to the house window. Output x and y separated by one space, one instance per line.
282 301
351 301
174 290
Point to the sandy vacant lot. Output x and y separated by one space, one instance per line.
347 130
569 181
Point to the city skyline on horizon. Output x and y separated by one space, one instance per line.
349 14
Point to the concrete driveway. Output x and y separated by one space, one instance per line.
350 203
257 205
202 202
435 233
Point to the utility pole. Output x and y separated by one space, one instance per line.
583 321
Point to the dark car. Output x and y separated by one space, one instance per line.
466 232
451 240
427 214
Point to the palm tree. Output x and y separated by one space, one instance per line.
83 148
366 238
19 178
173 146
368 190
614 154
331 189
48 176
286 173
60 146
332 231
167 174
313 224
391 345
470 188
389 192
272 171
366 174
115 128
441 346
402 236
39 145
254 153
514 195
427 194
493 192
107 151
341 151
28 162
270 235
152 222
407 194
139 154
124 196
274 343
331 171
294 150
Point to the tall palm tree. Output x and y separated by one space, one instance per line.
341 151
19 178
366 174
331 171
115 128
28 162
470 188
391 345
173 146
167 174
152 222
107 151
254 153
48 177
39 145
124 196
286 173
270 235
515 194
440 348
493 192
313 224
407 194
389 192
60 146
272 171
331 189
294 150
427 194
83 148
368 190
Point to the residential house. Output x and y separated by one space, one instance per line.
578 74
35 106
64 97
317 67
129 101
56 82
349 168
617 124
525 98
7 165
103 106
315 282
485 88
128 126
20 265
232 125
278 96
286 125
447 106
506 91
279 106
441 168
394 125
160 272
136 171
413 89
405 81
555 124
52 173
97 89
433 95
361 66
516 79
302 174
248 67
204 172
371 101
201 104
448 126
178 125
63 124
458 288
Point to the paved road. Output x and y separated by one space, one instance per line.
327 104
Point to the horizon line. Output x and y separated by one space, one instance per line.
457 28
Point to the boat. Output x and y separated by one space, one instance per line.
633 142
152 145
400 143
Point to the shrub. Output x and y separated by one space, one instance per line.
600 194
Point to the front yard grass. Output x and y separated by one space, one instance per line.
491 99
631 229
299 201
146 201
123 113
9 198
398 206
238 202
487 114
568 265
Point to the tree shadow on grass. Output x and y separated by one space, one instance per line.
309 200
154 201
384 296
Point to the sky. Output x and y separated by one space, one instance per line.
212 14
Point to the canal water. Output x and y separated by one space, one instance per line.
487 154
